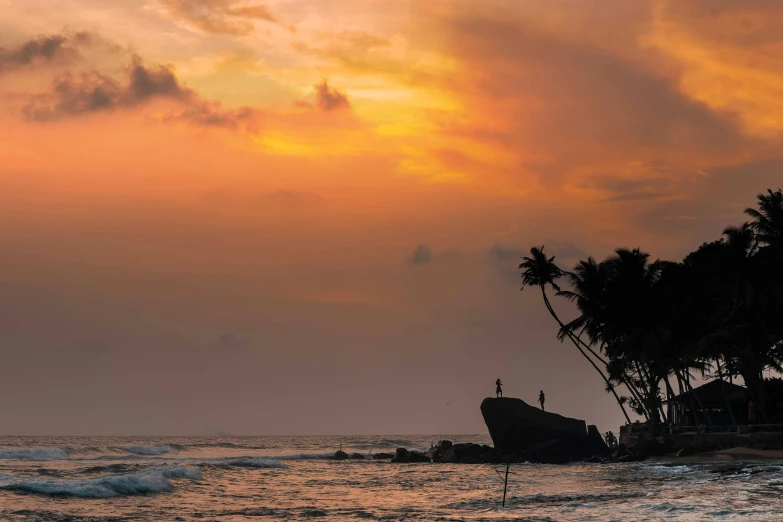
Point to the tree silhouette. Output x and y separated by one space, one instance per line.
540 271
651 325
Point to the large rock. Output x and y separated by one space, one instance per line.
402 455
555 451
438 450
568 449
446 451
416 456
595 443
340 455
515 426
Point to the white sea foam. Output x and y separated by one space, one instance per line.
146 450
34 454
155 480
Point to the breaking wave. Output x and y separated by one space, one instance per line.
35 454
155 480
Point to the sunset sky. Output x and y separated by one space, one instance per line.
305 216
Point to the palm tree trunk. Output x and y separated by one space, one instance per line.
637 395
603 361
645 394
576 343
725 395
651 399
669 393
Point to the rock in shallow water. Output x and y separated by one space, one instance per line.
340 455
402 455
383 456
515 426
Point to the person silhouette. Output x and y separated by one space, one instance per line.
541 399
498 389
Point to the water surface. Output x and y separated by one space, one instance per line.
289 478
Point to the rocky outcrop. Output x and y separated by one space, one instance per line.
340 455
515 426
565 450
383 456
446 451
356 456
402 455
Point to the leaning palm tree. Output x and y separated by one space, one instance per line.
541 271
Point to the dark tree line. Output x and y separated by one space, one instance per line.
647 326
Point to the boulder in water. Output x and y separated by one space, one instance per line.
402 455
356 456
437 452
340 455
515 426
383 456
417 456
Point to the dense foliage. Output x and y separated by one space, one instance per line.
646 326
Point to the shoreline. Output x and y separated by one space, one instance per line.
724 455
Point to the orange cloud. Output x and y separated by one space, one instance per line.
229 17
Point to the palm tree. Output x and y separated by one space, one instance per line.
747 276
768 219
588 283
631 331
541 271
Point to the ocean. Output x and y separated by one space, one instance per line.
290 478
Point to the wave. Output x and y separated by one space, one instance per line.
257 463
304 456
146 450
35 454
113 468
155 480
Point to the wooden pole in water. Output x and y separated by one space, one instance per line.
505 483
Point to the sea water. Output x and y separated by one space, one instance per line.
291 478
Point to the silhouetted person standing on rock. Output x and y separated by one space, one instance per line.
498 389
541 399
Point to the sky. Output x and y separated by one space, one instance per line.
306 216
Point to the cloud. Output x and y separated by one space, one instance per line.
571 104
85 93
506 260
566 251
210 113
220 16
91 92
44 50
628 189
502 254
329 99
421 256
